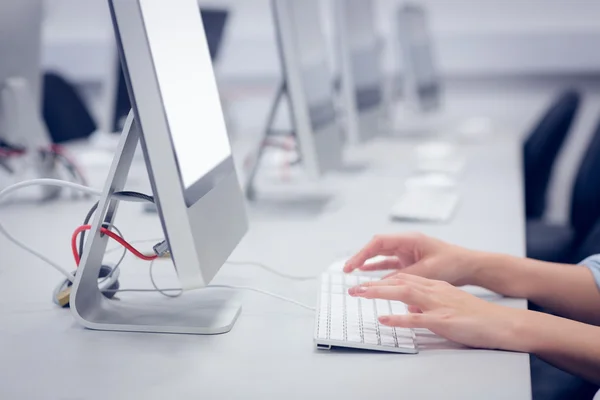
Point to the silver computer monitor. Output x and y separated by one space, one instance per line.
361 69
169 74
422 79
178 120
20 73
309 83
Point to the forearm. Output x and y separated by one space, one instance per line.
569 345
568 290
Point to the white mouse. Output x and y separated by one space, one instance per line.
435 150
432 180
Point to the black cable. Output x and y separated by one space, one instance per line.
90 213
8 146
6 166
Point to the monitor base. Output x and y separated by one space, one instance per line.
199 313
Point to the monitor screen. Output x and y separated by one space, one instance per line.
314 62
418 54
181 58
214 20
364 52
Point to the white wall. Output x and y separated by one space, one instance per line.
485 37
472 37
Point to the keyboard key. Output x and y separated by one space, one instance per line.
351 280
370 337
337 279
354 336
398 308
387 336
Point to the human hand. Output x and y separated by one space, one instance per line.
446 311
419 255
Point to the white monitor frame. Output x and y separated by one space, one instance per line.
203 222
423 84
319 137
360 60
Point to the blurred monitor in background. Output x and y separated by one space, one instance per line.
423 86
362 75
214 21
20 70
308 83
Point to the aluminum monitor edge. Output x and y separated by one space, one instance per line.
201 233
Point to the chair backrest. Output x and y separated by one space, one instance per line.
542 147
588 246
585 199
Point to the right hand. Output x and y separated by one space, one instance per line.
417 254
449 312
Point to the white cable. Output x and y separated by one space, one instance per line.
159 290
251 289
42 182
48 182
273 270
286 299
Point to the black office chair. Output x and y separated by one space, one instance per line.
589 246
542 147
65 113
559 243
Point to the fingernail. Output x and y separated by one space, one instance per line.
384 320
357 290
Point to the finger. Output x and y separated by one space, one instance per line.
378 246
408 294
399 278
414 310
408 321
390 263
391 275
417 269
381 245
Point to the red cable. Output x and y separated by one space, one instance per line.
113 236
11 153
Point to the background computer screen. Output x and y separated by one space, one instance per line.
364 51
191 104
314 62
20 51
418 54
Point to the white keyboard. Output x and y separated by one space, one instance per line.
425 205
346 321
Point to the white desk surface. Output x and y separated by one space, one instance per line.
269 353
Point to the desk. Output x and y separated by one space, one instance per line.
269 354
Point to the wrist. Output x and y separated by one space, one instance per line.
501 273
523 333
484 267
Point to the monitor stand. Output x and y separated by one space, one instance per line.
204 311
303 197
24 127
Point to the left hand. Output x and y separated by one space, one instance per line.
446 311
